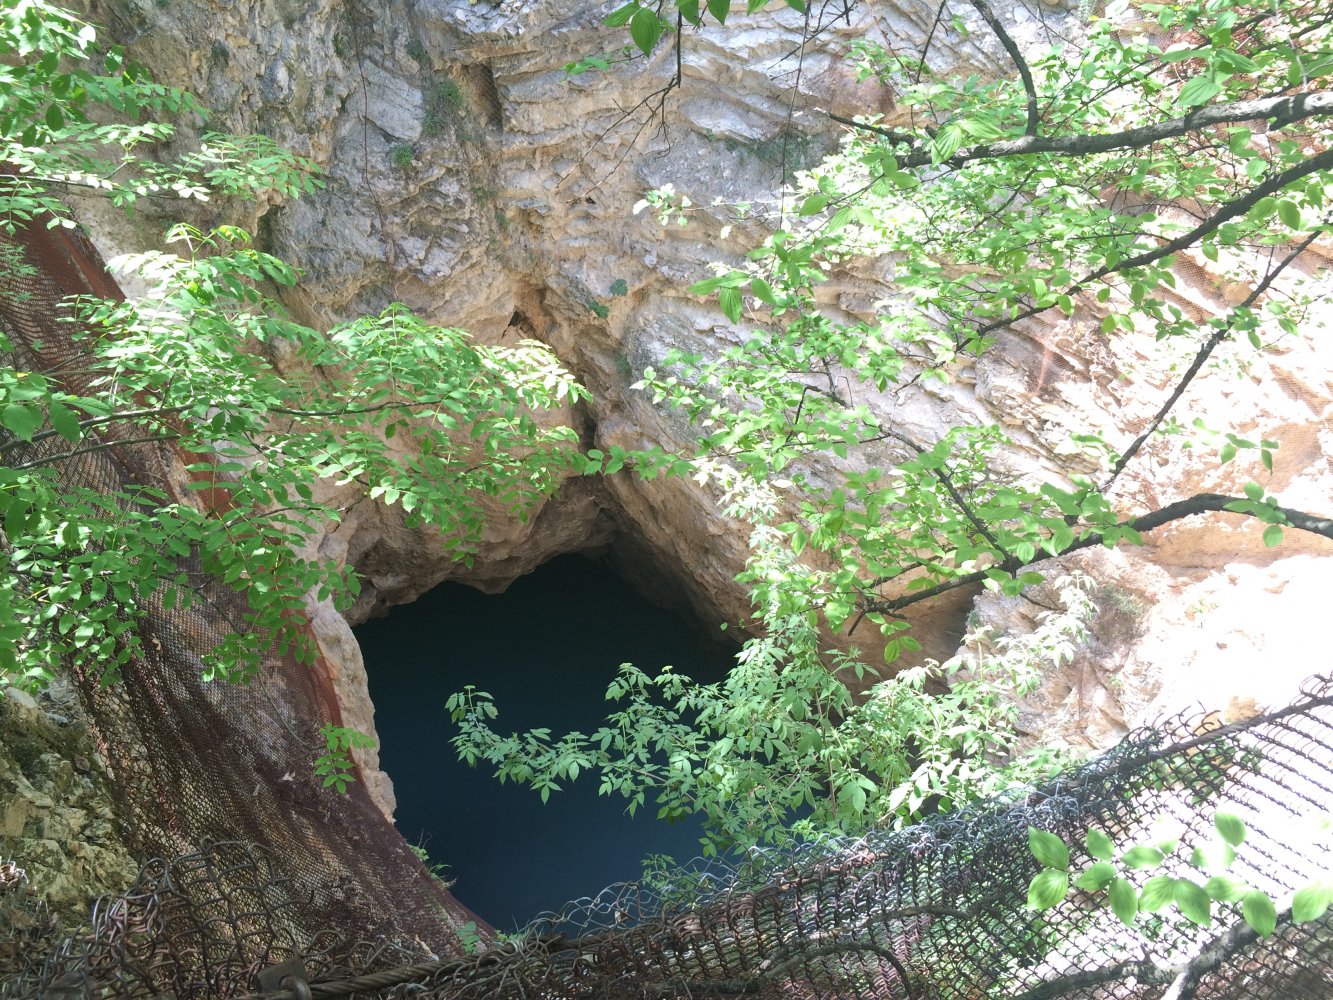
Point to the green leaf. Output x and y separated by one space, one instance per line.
1198 91
763 291
621 15
1213 857
1047 888
1142 856
1099 844
1124 901
1157 893
1098 876
948 140
1194 902
1310 902
1259 912
1047 848
21 420
1273 535
719 9
65 421
645 28
730 301
1231 827
1289 212
1226 888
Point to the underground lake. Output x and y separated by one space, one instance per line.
546 649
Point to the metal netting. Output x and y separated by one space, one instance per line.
933 911
191 761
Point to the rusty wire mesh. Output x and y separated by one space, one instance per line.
933 911
191 761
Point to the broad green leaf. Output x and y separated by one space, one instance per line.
622 15
1226 888
1289 212
1142 856
1231 827
65 421
1273 535
1194 902
1312 901
1259 912
1213 857
1047 848
1099 844
1047 888
21 420
1200 90
645 28
731 303
719 9
1124 901
1157 893
1097 876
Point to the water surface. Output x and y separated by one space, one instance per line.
546 649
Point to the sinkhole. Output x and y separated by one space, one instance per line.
546 649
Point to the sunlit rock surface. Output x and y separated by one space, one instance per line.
472 178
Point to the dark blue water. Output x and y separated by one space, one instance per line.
546 649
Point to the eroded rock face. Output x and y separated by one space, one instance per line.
56 814
472 178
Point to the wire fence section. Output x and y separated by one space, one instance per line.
937 910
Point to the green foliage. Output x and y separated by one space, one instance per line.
992 240
335 767
402 156
57 92
435 871
784 736
443 101
1131 890
195 363
1069 190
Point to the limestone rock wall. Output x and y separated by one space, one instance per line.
472 178
57 818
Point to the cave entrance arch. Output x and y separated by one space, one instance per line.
546 648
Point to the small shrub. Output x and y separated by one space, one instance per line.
402 156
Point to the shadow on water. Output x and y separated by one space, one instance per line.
546 649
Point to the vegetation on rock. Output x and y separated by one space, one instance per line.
256 406
1193 131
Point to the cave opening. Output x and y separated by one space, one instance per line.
546 649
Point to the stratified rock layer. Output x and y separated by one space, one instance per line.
474 179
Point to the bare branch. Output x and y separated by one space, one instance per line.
984 9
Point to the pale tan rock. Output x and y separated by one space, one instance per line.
514 218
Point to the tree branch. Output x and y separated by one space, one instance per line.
1227 211
984 9
1184 979
1202 356
1200 503
1281 110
